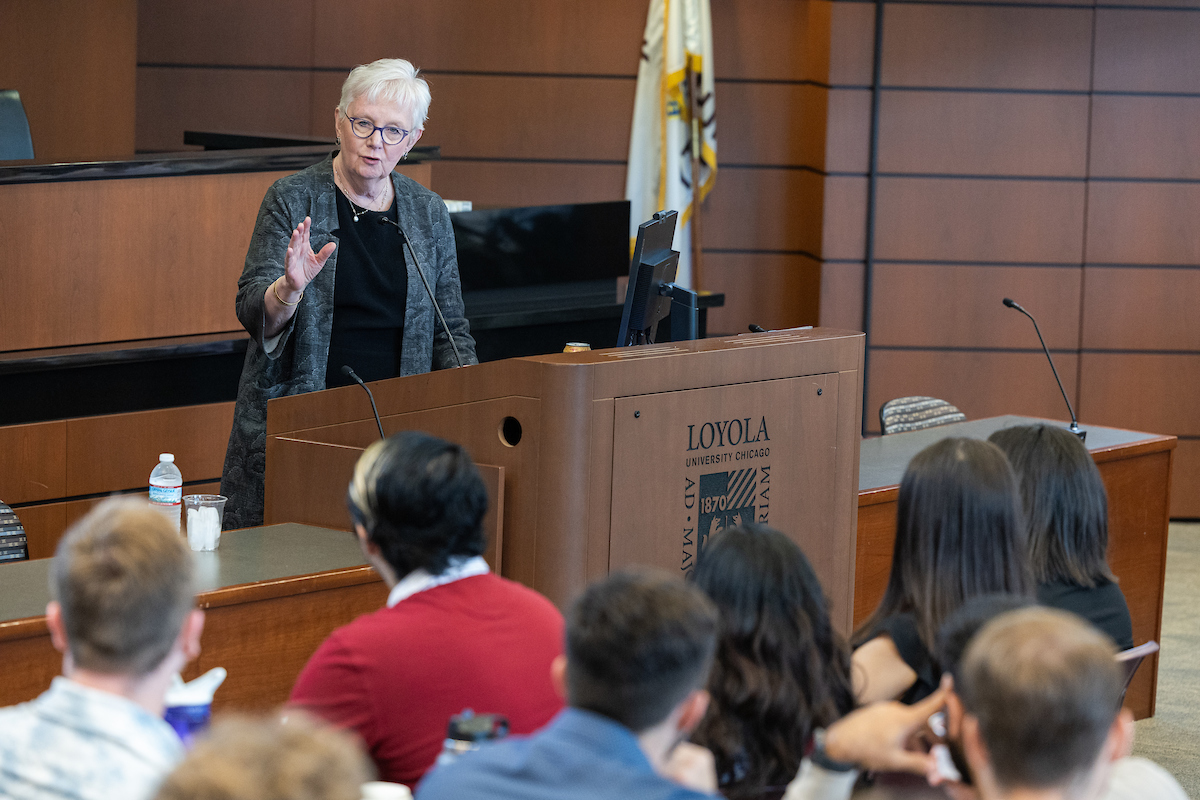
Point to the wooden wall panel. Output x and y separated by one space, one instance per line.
986 47
1141 309
983 133
229 32
935 305
172 100
33 466
771 290
492 184
181 239
842 295
788 128
1147 51
844 230
1027 221
764 209
1145 137
43 525
197 435
981 383
1142 391
536 36
775 40
1185 480
1143 223
851 43
848 140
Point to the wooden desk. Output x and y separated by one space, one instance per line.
271 595
1136 468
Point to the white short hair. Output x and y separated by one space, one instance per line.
390 79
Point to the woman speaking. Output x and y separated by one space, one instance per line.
348 217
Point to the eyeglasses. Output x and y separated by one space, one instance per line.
365 129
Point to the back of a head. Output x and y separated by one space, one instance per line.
960 627
958 534
124 579
421 500
638 642
780 668
1045 687
1066 507
243 758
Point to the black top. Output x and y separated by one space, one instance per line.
1103 606
902 628
369 295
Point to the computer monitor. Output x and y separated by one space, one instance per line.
652 294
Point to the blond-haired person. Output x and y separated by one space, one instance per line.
123 615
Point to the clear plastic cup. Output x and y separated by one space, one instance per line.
204 514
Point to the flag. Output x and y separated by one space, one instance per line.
659 177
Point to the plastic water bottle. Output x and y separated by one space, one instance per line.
166 488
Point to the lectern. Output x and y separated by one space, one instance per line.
608 458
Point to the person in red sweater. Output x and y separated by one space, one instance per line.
452 636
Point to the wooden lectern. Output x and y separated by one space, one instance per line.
607 458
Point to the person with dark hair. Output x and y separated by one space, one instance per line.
780 671
452 636
1066 520
958 534
639 647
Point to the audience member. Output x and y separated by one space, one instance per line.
780 669
1066 522
243 758
452 635
958 534
123 616
639 647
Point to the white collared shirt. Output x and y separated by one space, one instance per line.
419 580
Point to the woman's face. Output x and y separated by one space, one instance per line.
371 159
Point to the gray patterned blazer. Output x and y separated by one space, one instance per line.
297 362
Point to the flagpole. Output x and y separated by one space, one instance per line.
693 82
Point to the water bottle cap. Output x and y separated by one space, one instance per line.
168 457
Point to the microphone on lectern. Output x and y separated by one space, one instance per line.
349 373
1074 428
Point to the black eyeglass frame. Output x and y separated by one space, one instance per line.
381 128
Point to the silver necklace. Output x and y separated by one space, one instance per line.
346 194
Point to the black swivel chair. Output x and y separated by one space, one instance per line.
15 141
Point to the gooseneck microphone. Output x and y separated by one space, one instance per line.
349 373
1075 429
437 308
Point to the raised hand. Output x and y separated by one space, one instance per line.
302 264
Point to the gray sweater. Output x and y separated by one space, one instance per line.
296 363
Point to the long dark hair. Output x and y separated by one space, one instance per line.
958 534
780 670
1066 507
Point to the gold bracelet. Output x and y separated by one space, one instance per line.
275 289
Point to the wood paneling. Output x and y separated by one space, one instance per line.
1143 223
227 32
764 209
851 43
847 139
842 295
76 509
777 40
1014 221
844 229
73 61
491 184
44 526
181 240
771 290
1142 391
983 133
1140 309
172 100
873 556
1147 51
540 36
118 451
980 383
33 466
1145 137
788 123
986 47
934 305
1185 480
